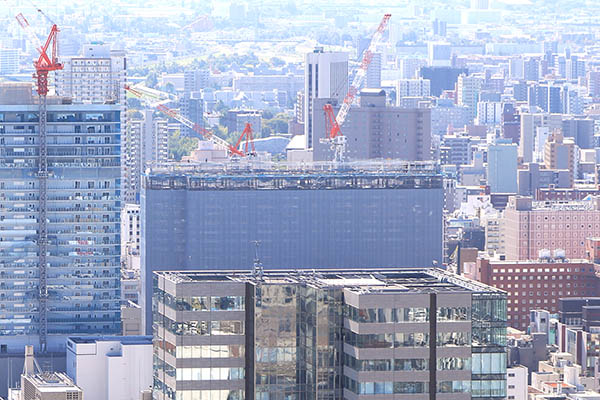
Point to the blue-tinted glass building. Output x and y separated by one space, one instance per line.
362 216
82 219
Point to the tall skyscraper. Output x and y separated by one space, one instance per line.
468 88
325 76
149 145
310 218
328 334
83 205
192 107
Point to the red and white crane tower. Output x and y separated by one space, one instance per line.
45 64
333 123
204 133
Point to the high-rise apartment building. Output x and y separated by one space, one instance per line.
409 67
148 145
325 76
531 226
100 74
374 130
328 334
388 215
82 223
195 80
468 88
373 78
191 106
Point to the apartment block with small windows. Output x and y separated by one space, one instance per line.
327 334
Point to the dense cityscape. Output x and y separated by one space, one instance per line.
295 200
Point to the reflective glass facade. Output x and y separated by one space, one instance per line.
83 205
327 334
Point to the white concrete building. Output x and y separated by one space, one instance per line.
516 383
325 76
468 88
409 67
111 367
130 229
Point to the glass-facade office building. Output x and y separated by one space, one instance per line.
327 334
361 216
82 214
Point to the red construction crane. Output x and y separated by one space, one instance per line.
205 133
249 140
43 66
333 134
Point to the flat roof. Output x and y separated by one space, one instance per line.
376 280
125 340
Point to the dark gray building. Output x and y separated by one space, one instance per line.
327 334
384 215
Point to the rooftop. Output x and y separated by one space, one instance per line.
52 382
125 340
386 280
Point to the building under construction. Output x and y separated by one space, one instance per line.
318 216
58 230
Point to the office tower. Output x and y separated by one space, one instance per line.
502 167
468 88
533 125
311 218
445 116
534 176
574 68
373 78
191 106
593 83
195 80
409 67
82 224
374 130
325 76
520 91
439 54
9 61
537 96
412 88
148 144
109 367
532 226
328 334
531 69
555 102
581 130
559 153
99 75
549 274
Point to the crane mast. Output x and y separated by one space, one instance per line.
43 66
333 123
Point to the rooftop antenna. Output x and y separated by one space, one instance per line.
258 267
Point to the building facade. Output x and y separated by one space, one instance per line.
532 226
83 230
536 283
302 218
328 334
110 367
375 130
325 76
